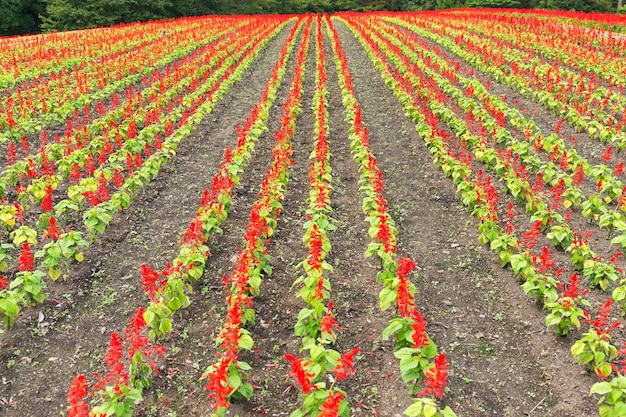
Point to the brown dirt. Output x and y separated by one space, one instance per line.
504 362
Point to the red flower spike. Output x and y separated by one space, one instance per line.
103 188
138 161
419 337
113 359
25 147
578 175
328 322
53 230
75 174
436 376
118 180
151 281
89 165
4 282
298 371
19 213
345 365
11 154
129 162
330 407
26 258
218 384
76 395
46 203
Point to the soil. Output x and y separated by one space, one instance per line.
503 360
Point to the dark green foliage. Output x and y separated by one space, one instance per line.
18 17
33 16
582 5
492 3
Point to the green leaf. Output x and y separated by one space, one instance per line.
430 410
246 390
600 388
246 342
552 319
414 410
394 326
619 293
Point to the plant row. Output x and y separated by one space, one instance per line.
227 378
316 324
422 367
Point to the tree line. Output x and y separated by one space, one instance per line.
34 16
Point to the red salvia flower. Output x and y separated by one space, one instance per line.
193 234
578 175
102 155
218 384
103 188
608 153
4 282
113 359
169 128
25 147
138 161
405 300
92 197
76 395
151 281
436 376
328 322
75 174
26 258
619 169
405 266
330 407
31 170
615 257
129 162
319 289
205 200
158 142
529 239
345 365
19 213
46 167
570 289
419 336
132 129
53 230
546 260
601 323
89 165
137 341
559 124
297 370
11 154
118 180
315 248
46 203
